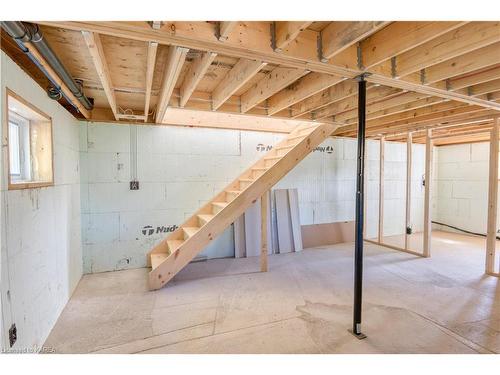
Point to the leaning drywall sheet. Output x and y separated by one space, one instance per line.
293 201
285 231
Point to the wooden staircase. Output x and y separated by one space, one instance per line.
181 246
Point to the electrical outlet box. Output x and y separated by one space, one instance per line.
134 185
12 335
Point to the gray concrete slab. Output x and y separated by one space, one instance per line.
442 304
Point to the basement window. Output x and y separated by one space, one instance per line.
29 143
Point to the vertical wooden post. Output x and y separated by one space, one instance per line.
381 191
264 203
409 140
427 198
492 200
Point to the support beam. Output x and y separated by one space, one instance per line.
196 72
150 71
408 188
96 50
305 87
340 35
492 199
381 191
264 203
274 81
224 28
240 74
427 194
286 31
175 60
358 244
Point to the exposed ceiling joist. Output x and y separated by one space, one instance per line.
305 87
240 74
467 38
274 81
286 31
175 60
96 50
196 71
304 56
332 94
150 69
338 36
400 37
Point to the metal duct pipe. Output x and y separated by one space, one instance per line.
27 32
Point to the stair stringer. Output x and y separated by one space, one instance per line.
159 276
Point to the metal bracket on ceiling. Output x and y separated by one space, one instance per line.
319 47
393 67
448 84
155 24
422 77
217 33
489 96
470 91
362 76
359 56
273 37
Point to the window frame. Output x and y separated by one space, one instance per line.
19 184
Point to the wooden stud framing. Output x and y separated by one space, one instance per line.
175 60
427 195
287 31
408 187
492 199
273 82
150 69
264 203
194 75
240 74
381 191
96 50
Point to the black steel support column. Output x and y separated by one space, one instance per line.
358 246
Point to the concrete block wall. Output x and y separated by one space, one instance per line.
179 169
461 182
41 254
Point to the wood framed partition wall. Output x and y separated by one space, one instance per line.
427 198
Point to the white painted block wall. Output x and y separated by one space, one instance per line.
461 196
41 255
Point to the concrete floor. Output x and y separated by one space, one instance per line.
443 304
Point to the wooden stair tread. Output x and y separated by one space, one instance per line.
174 244
220 204
233 191
157 259
247 179
206 217
270 157
190 231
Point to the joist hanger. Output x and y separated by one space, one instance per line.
393 67
359 56
156 25
319 47
273 37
